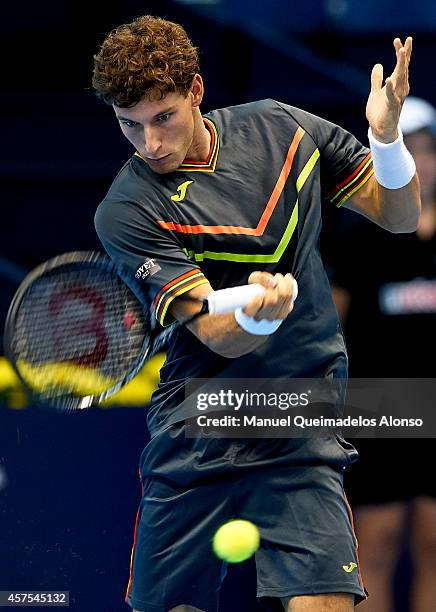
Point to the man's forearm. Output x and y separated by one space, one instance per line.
396 210
223 335
392 197
399 209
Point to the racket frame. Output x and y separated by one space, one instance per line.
94 259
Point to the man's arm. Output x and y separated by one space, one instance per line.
396 210
221 333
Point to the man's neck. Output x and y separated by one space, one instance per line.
200 147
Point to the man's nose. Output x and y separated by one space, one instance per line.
152 142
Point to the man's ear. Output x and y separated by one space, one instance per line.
197 90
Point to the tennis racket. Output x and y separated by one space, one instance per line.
76 333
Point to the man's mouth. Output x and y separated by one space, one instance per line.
157 160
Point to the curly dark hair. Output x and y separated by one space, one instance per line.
147 58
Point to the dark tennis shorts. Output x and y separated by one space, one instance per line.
291 489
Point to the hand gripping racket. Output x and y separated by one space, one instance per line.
76 333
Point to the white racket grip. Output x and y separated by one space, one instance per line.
228 300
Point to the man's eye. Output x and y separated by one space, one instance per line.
164 118
129 124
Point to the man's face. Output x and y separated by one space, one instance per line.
162 131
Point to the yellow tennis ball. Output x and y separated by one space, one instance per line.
236 541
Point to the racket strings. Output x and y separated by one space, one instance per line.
79 329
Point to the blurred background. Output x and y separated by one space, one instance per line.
68 485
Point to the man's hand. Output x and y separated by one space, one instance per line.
221 333
385 101
276 303
391 196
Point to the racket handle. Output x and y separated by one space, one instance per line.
228 300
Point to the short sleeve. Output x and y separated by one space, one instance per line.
132 238
346 165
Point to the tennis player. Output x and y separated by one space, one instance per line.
216 201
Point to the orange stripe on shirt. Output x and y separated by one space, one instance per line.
169 298
347 193
173 282
352 175
266 215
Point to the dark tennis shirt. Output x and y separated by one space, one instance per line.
254 204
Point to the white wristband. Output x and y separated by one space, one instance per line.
258 328
394 166
263 327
